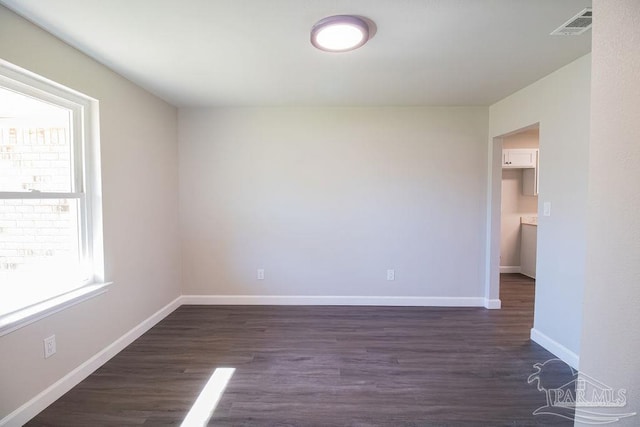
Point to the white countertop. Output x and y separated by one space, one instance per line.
529 220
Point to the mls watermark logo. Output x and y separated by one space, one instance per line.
579 398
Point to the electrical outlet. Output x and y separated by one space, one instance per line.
391 275
260 274
546 209
49 346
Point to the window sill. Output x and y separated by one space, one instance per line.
16 320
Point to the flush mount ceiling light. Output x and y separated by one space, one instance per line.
340 33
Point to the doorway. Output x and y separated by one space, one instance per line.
513 209
519 202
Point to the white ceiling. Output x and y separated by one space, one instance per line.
257 52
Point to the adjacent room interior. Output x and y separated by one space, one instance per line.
214 213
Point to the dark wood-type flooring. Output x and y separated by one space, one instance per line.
325 366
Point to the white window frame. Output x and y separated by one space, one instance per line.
86 188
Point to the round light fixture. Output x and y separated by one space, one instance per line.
340 33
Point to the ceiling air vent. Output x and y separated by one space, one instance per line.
576 25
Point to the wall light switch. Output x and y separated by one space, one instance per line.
391 275
260 274
546 209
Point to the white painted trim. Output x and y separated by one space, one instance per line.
510 269
23 317
333 300
492 304
553 346
34 406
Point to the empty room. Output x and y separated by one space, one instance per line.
319 213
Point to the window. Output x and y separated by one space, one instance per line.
50 220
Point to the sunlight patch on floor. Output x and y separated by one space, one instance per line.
202 410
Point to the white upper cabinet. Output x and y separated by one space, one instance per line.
519 158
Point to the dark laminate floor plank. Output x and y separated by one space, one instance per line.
325 366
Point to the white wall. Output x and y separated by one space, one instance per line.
140 186
514 206
611 342
326 199
524 139
514 203
560 103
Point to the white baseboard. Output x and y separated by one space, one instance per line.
492 304
333 300
510 269
34 406
553 346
